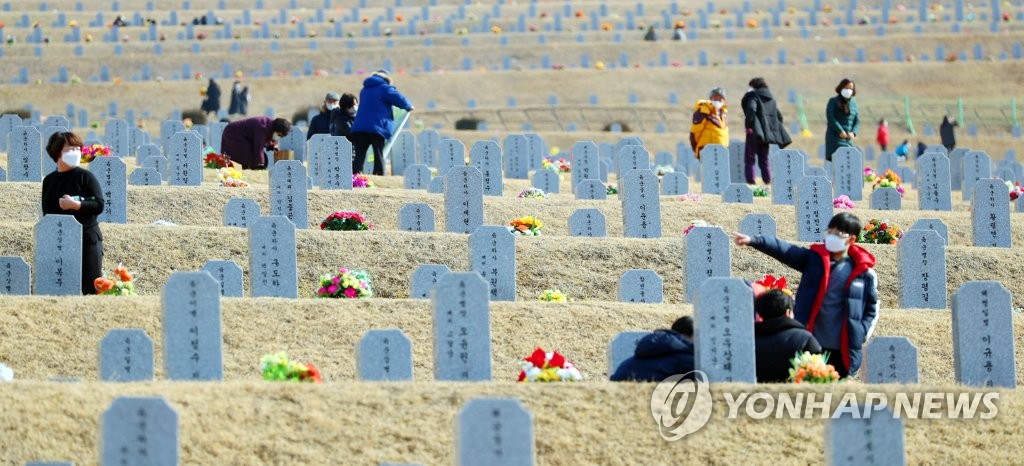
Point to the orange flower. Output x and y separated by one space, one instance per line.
102 285
123 273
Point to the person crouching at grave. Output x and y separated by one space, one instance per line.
321 122
245 140
372 125
710 122
838 294
343 116
778 337
659 355
71 190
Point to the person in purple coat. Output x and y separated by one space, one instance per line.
243 140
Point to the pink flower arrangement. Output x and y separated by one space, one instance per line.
843 202
362 181
92 151
692 197
345 284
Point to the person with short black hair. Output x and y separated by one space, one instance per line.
343 116
838 294
245 140
778 337
659 355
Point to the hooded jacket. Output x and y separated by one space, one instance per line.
814 265
776 341
709 126
761 116
375 102
659 355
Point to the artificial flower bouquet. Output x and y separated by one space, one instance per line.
611 189
880 232
231 177
662 170
276 367
215 160
1015 190
360 180
843 202
346 221
532 193
542 366
691 197
561 165
761 191
869 175
525 226
345 284
812 368
120 285
694 224
90 152
553 296
889 180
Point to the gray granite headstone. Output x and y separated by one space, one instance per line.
715 170
723 330
144 176
216 133
335 158
546 180
641 204
416 217
591 190
853 440
675 184
787 171
158 163
403 153
983 353
813 208
922 260
976 166
890 360
384 356
706 255
1006 174
622 347
887 161
8 122
641 286
424 278
146 151
25 153
239 212
417 177
315 164
184 159
294 141
536 150
126 355
436 185
228 274
486 157
492 254
956 167
495 432
758 225
933 188
288 195
631 157
272 265
115 135
111 172
451 153
138 137
738 193
817 171
192 327
140 430
463 200
462 328
886 199
58 256
736 161
933 224
586 163
516 157
427 144
990 214
168 128
606 167
588 222
848 173
15 276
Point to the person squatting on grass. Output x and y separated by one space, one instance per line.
838 294
778 337
661 354
710 122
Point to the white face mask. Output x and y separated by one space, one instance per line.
750 89
846 93
72 157
277 137
355 108
332 106
717 104
834 243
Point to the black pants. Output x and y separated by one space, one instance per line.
92 258
835 358
363 141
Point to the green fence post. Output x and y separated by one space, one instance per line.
906 111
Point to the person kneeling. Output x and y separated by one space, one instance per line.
660 355
778 337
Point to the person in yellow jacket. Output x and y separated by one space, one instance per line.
710 122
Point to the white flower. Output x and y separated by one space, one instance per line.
533 372
6 374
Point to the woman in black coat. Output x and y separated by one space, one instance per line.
212 102
946 132
72 190
239 99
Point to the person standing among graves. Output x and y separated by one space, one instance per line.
71 190
651 35
211 104
764 127
372 125
244 140
882 137
946 132
343 117
710 122
239 99
659 355
321 122
778 337
838 294
842 118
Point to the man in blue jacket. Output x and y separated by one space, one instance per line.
659 355
372 126
838 294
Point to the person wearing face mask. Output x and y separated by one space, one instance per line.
245 140
71 190
837 299
321 122
343 117
842 118
710 122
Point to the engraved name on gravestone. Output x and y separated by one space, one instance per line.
315 164
591 190
452 153
288 195
787 171
111 172
586 163
115 135
486 157
976 166
675 184
714 160
273 269
228 274
738 193
144 176
622 347
335 158
890 360
813 208
417 177
933 188
495 432
126 355
139 431
546 180
462 328
886 199
736 161
416 217
424 278
758 225
516 157
192 327
990 214
58 256
492 254
15 276
536 150
403 153
463 200
239 212
848 173
983 353
724 330
922 260
384 356
587 222
706 254
428 143
853 440
25 152
184 162
641 204
641 286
